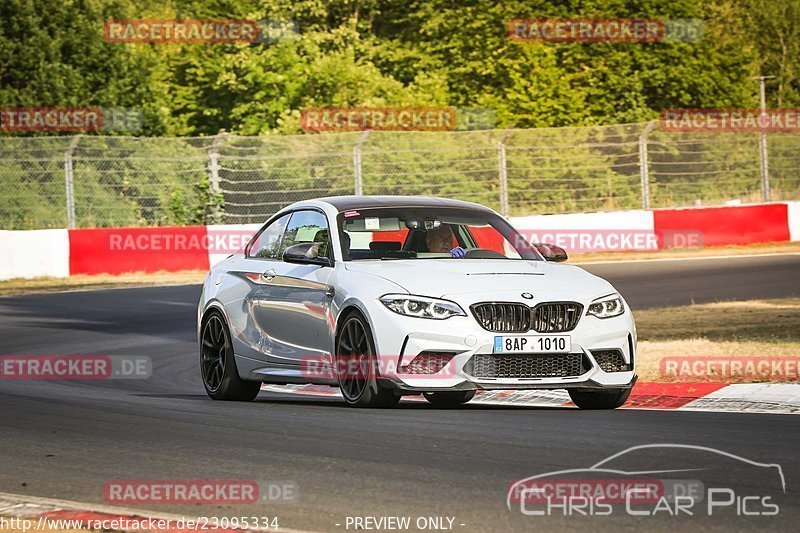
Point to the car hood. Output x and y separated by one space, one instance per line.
485 277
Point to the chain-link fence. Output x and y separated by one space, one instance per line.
92 181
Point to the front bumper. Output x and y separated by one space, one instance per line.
469 385
400 339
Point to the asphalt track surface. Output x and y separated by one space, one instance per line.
68 439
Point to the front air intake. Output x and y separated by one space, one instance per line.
427 363
503 317
499 366
556 317
611 361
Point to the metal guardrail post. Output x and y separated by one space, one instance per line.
503 172
359 182
69 181
644 171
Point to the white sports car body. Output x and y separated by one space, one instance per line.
386 296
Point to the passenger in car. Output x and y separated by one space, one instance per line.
345 245
322 237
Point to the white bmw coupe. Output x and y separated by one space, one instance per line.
387 296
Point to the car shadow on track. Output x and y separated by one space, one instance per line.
405 405
336 402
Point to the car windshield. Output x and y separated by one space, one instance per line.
429 233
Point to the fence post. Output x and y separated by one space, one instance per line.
644 171
359 182
213 167
762 139
69 181
503 170
762 151
213 160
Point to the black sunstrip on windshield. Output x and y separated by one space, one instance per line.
429 233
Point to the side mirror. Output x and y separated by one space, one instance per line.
306 253
551 252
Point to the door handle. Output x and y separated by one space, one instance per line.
269 274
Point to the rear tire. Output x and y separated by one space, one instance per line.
449 399
357 368
218 365
602 399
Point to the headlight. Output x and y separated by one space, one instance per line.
422 307
607 307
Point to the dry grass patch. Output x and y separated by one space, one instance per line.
757 320
651 353
102 281
761 328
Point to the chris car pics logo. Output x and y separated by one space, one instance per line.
656 480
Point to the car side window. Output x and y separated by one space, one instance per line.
306 226
267 243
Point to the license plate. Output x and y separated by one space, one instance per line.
533 344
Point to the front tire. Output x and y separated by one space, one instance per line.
218 366
449 399
602 399
357 367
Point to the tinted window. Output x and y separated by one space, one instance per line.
266 244
306 226
429 233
